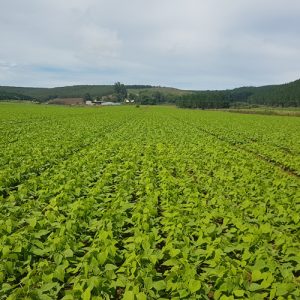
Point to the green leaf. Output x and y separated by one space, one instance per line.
256 276
239 293
254 287
5 251
2 276
6 287
48 286
86 295
267 281
224 297
101 257
283 289
248 238
8 225
170 262
68 253
141 296
128 295
59 273
296 217
32 222
58 258
40 233
44 297
194 285
183 293
68 297
159 285
265 228
37 251
174 252
110 267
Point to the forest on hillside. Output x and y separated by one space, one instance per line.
285 95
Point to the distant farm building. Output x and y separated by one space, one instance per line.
102 103
93 102
110 103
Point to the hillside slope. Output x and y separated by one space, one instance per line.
44 94
286 95
272 95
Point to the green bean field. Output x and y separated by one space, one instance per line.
148 203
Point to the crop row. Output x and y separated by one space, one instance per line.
153 207
273 138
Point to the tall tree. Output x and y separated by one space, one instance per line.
120 91
87 97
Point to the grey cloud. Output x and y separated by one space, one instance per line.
189 44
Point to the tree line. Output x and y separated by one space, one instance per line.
285 95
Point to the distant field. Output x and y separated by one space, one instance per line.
148 203
284 111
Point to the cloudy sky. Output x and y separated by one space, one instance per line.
190 44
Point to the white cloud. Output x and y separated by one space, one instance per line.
191 44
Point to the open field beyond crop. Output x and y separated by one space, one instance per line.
283 111
148 203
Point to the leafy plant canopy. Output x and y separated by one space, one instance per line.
148 203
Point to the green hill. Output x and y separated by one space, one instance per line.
285 95
44 94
